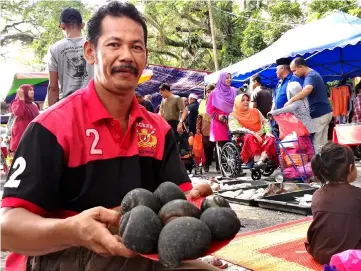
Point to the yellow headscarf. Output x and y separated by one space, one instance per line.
202 109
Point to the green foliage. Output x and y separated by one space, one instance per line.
321 8
179 30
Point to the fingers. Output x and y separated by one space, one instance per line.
114 246
106 216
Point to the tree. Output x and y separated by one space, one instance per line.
35 24
179 30
320 8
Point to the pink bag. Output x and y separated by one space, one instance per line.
288 123
349 260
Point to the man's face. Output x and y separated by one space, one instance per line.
297 70
253 84
191 100
279 71
162 93
120 56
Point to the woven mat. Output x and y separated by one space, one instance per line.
277 248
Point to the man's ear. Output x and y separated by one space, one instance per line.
62 26
89 52
82 26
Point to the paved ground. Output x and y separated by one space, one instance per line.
252 218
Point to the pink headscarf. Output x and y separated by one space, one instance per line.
31 109
223 95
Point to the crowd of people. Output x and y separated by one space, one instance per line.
99 139
300 91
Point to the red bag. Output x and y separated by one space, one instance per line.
198 146
288 123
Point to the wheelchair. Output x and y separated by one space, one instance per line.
230 159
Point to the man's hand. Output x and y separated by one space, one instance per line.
90 229
180 128
221 118
21 94
288 103
269 134
198 131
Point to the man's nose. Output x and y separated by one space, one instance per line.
126 54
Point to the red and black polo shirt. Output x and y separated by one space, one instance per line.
74 156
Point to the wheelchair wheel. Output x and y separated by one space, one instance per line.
230 160
256 174
268 171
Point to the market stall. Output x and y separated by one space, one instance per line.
335 54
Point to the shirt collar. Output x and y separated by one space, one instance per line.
96 109
258 88
288 77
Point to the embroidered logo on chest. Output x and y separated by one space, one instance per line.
147 140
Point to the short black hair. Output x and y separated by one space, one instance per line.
256 78
299 61
332 163
164 86
114 9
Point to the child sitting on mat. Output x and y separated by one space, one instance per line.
336 207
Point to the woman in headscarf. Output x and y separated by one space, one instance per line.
25 110
300 108
258 141
219 106
204 127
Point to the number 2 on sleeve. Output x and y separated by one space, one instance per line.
19 165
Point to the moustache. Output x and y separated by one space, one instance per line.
124 67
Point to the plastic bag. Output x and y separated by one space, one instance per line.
349 260
288 124
197 146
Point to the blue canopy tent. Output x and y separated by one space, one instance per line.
331 46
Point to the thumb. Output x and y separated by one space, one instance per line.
107 216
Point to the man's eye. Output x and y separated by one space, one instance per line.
138 48
113 44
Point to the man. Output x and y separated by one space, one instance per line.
66 63
87 151
171 108
147 104
148 97
193 112
315 90
261 98
185 101
285 76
